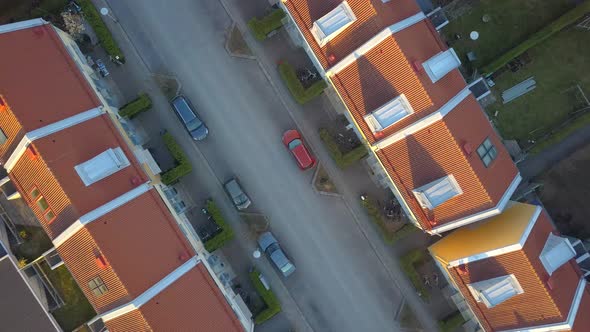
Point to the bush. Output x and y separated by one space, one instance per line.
377 218
273 306
342 160
262 27
451 322
226 233
183 166
408 263
563 21
102 32
141 104
301 94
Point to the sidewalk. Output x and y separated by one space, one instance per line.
350 182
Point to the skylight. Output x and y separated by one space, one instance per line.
437 192
441 64
331 24
101 166
388 114
556 252
496 290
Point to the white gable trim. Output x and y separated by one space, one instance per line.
376 40
503 250
99 212
22 25
151 292
48 130
484 214
424 122
571 317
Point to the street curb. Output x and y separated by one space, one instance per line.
226 45
316 190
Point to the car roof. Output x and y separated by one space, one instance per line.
233 187
279 258
302 155
183 108
266 239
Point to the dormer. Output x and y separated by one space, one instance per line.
556 252
388 114
331 24
441 64
495 290
101 166
437 192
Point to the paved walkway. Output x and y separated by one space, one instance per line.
537 164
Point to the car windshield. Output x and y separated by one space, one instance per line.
242 198
193 124
294 143
286 267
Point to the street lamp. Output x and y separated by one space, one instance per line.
105 12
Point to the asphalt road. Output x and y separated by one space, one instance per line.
340 283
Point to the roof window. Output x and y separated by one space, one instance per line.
101 166
441 64
388 114
496 290
3 137
437 192
97 286
556 252
331 24
487 152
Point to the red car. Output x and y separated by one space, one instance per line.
293 141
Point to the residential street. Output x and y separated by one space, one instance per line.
346 279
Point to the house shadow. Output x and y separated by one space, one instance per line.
317 9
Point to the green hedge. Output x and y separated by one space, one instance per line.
377 218
226 233
342 160
301 94
563 21
262 27
183 166
102 32
408 263
273 306
451 322
141 104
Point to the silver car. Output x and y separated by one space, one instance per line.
237 194
191 121
270 246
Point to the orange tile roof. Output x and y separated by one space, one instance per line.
39 80
387 71
70 147
582 322
438 150
372 16
132 321
551 304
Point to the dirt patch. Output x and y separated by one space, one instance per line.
323 181
257 223
236 45
565 194
168 85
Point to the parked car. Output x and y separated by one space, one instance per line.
269 245
189 118
237 194
293 141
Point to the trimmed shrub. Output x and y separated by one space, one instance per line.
563 21
141 104
273 306
301 94
451 322
408 263
183 166
342 160
102 32
226 234
376 217
262 27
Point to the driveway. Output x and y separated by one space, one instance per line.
341 284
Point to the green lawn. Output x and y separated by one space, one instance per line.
557 65
511 22
77 310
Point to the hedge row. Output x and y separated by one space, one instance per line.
451 322
377 218
102 32
301 94
262 27
183 166
141 104
408 263
226 233
342 160
273 306
563 21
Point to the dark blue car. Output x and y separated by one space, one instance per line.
189 118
